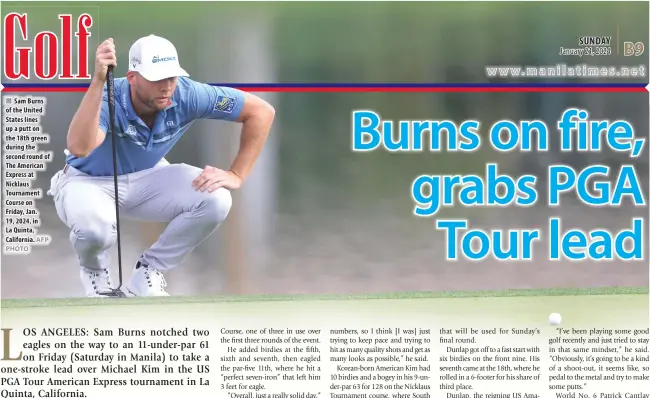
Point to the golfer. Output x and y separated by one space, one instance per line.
154 106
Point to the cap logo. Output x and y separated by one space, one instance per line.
157 59
135 61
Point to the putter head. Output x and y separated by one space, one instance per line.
115 293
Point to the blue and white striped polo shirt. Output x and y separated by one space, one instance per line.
140 148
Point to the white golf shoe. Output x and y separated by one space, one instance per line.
96 283
147 282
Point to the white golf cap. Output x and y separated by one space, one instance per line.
155 58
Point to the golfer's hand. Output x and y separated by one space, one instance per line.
212 178
104 57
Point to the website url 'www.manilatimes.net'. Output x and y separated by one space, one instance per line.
564 70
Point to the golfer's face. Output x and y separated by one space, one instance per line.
157 94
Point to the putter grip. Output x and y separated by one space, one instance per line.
110 83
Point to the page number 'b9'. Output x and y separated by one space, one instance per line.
630 48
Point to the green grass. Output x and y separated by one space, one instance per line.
63 302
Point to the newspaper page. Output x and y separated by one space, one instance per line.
324 200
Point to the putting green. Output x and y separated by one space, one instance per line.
579 307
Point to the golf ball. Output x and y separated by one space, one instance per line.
555 318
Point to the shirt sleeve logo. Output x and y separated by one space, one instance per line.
224 104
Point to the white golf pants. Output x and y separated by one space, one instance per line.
163 193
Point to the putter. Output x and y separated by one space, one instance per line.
116 292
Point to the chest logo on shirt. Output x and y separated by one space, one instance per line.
131 130
224 104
